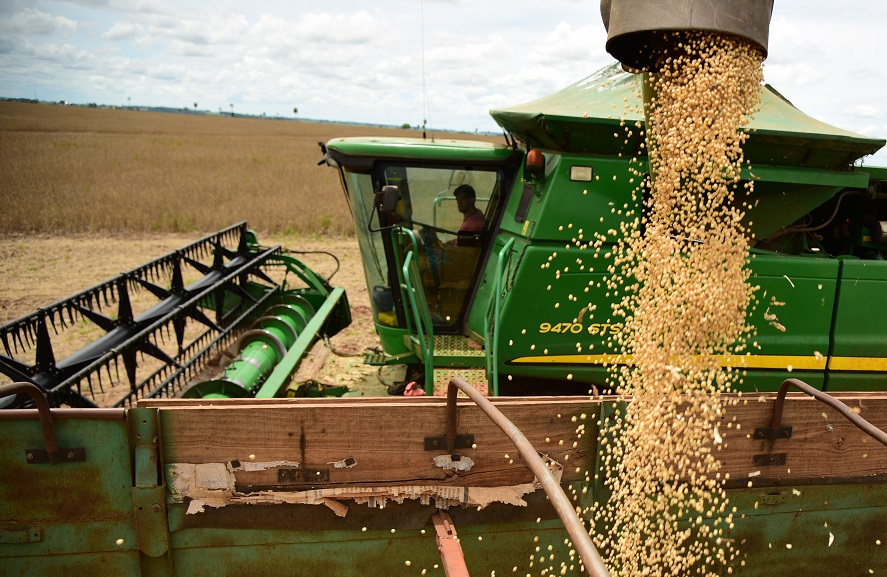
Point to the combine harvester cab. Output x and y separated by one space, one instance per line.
522 304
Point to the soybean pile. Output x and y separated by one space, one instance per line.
684 287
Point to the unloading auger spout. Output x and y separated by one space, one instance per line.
640 32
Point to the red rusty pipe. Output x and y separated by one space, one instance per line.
118 414
829 400
581 540
451 555
33 391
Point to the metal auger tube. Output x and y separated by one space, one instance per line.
260 349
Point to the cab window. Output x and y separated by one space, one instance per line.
451 212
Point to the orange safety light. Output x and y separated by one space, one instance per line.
535 164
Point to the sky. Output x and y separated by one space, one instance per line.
396 61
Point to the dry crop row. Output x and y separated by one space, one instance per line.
70 169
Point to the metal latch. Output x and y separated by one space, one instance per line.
21 535
303 475
440 443
51 453
770 434
772 499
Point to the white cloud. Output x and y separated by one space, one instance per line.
573 44
326 28
123 31
863 111
32 22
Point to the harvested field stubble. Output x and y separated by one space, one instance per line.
71 169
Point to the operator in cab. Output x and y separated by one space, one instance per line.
472 217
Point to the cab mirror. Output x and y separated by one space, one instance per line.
386 199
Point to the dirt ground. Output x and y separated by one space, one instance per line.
36 271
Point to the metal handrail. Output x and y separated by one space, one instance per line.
418 316
494 309
424 327
402 250
592 560
443 196
827 399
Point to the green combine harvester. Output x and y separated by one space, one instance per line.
182 442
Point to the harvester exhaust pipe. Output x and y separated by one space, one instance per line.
639 32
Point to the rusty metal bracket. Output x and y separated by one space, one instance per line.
303 475
769 459
771 434
16 535
149 508
148 491
52 453
448 546
62 455
777 431
441 443
863 425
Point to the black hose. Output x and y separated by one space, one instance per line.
329 345
806 228
387 385
335 258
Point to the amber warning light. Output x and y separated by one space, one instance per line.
535 164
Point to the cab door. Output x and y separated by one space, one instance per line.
452 212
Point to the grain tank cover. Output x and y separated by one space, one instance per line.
639 32
585 117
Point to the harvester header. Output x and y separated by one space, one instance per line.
214 293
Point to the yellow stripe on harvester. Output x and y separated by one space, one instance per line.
797 362
873 364
577 359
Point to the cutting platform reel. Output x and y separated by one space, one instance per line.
167 321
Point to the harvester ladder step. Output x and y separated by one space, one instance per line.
458 351
477 378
